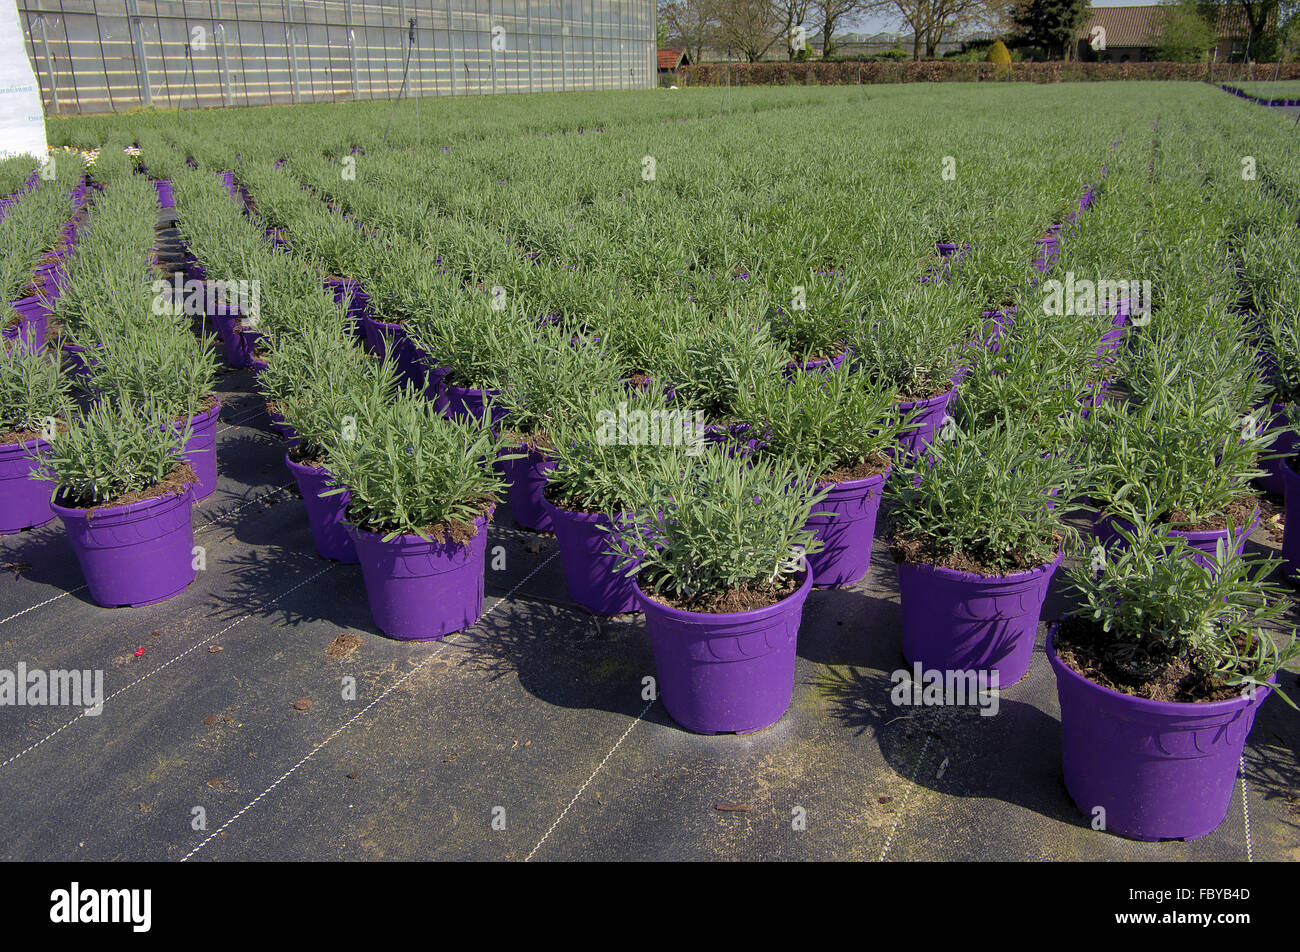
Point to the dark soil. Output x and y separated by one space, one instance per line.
532 442
925 552
205 404
1088 650
22 436
173 482
871 466
1241 511
925 392
309 456
457 533
569 505
745 598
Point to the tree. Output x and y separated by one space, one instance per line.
1052 24
1185 36
690 24
751 27
829 13
791 14
1261 19
932 21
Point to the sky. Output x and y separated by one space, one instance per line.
875 23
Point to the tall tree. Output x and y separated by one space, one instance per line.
750 27
830 13
932 21
690 24
1185 36
791 14
1052 24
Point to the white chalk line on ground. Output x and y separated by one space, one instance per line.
240 620
351 720
197 530
599 767
902 807
1245 808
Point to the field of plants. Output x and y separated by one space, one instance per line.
876 473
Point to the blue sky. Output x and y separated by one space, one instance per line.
876 22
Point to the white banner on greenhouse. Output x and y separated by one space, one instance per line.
22 121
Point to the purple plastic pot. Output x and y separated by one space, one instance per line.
228 180
75 362
960 621
136 554
24 497
929 419
847 530
201 450
1287 444
808 366
725 673
325 514
420 590
34 316
1159 769
165 197
527 478
590 572
461 403
1291 528
434 379
1204 544
282 428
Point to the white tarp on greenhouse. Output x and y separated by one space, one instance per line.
22 123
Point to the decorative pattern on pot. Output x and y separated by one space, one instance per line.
590 572
727 672
325 514
961 621
24 497
420 590
136 554
845 522
1159 769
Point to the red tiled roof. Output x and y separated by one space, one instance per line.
1140 26
1124 26
670 58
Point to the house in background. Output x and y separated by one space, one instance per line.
1133 34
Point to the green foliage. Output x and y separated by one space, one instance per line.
413 472
822 419
1185 35
112 449
713 523
32 389
985 496
1160 607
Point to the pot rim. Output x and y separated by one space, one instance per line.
958 575
650 606
410 540
930 401
93 513
1147 705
